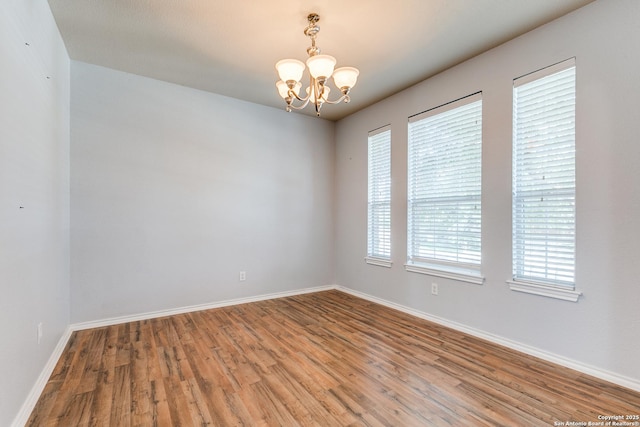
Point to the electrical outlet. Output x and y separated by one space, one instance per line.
243 276
434 289
39 332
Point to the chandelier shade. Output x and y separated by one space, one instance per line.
345 77
290 69
321 68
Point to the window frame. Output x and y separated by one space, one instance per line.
531 283
458 270
379 157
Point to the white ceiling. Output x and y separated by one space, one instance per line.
230 47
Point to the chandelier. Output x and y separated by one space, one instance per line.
321 69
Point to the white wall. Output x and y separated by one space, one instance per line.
34 196
174 191
602 330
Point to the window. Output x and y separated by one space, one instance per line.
444 194
379 205
544 184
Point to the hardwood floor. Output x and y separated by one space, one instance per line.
322 359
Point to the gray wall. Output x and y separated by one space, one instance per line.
174 191
34 196
603 328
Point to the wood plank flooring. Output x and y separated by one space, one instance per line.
321 359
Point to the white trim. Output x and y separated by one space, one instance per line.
191 308
378 261
550 291
462 275
36 391
630 383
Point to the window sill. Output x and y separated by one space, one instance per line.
544 290
381 262
461 274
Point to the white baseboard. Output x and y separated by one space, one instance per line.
27 407
191 308
602 374
32 398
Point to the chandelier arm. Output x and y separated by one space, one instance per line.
306 102
305 99
317 95
344 98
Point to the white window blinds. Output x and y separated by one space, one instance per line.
379 205
444 185
544 176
